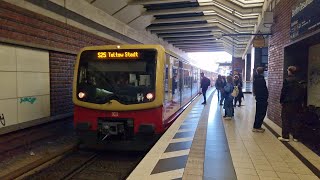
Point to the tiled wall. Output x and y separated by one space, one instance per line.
24 79
25 27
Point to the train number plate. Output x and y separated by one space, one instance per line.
114 114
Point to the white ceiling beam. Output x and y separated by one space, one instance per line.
208 48
190 10
205 50
212 29
145 2
223 27
233 41
241 22
224 4
191 41
246 4
185 35
196 42
242 41
230 25
199 45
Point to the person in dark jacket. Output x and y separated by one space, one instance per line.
260 90
291 100
219 85
238 82
228 102
204 84
224 83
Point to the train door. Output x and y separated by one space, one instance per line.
186 87
172 92
195 81
180 75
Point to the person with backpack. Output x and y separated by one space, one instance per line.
238 84
204 84
291 99
228 102
260 91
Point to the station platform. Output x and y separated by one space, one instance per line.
202 145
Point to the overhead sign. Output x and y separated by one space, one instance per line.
305 18
259 41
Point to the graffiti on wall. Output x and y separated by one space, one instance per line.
31 100
2 120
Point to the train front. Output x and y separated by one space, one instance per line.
118 95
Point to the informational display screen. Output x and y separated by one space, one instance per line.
305 18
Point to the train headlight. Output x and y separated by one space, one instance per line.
81 95
149 96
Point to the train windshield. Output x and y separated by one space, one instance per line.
127 76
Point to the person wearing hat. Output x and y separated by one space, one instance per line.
291 99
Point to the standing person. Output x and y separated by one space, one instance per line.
291 100
260 90
228 102
219 85
205 82
238 82
224 83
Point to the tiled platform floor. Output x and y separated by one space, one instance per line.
262 155
201 145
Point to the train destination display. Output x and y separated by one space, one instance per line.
117 55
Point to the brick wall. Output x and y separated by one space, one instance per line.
280 37
26 26
61 78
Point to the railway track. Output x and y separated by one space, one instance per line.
24 139
29 148
90 165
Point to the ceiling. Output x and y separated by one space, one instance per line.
193 25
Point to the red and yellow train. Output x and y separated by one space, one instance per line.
128 95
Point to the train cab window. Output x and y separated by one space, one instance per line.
127 80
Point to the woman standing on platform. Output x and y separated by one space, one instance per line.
238 82
228 102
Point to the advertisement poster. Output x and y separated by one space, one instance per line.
314 76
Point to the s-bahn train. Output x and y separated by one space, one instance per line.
126 96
